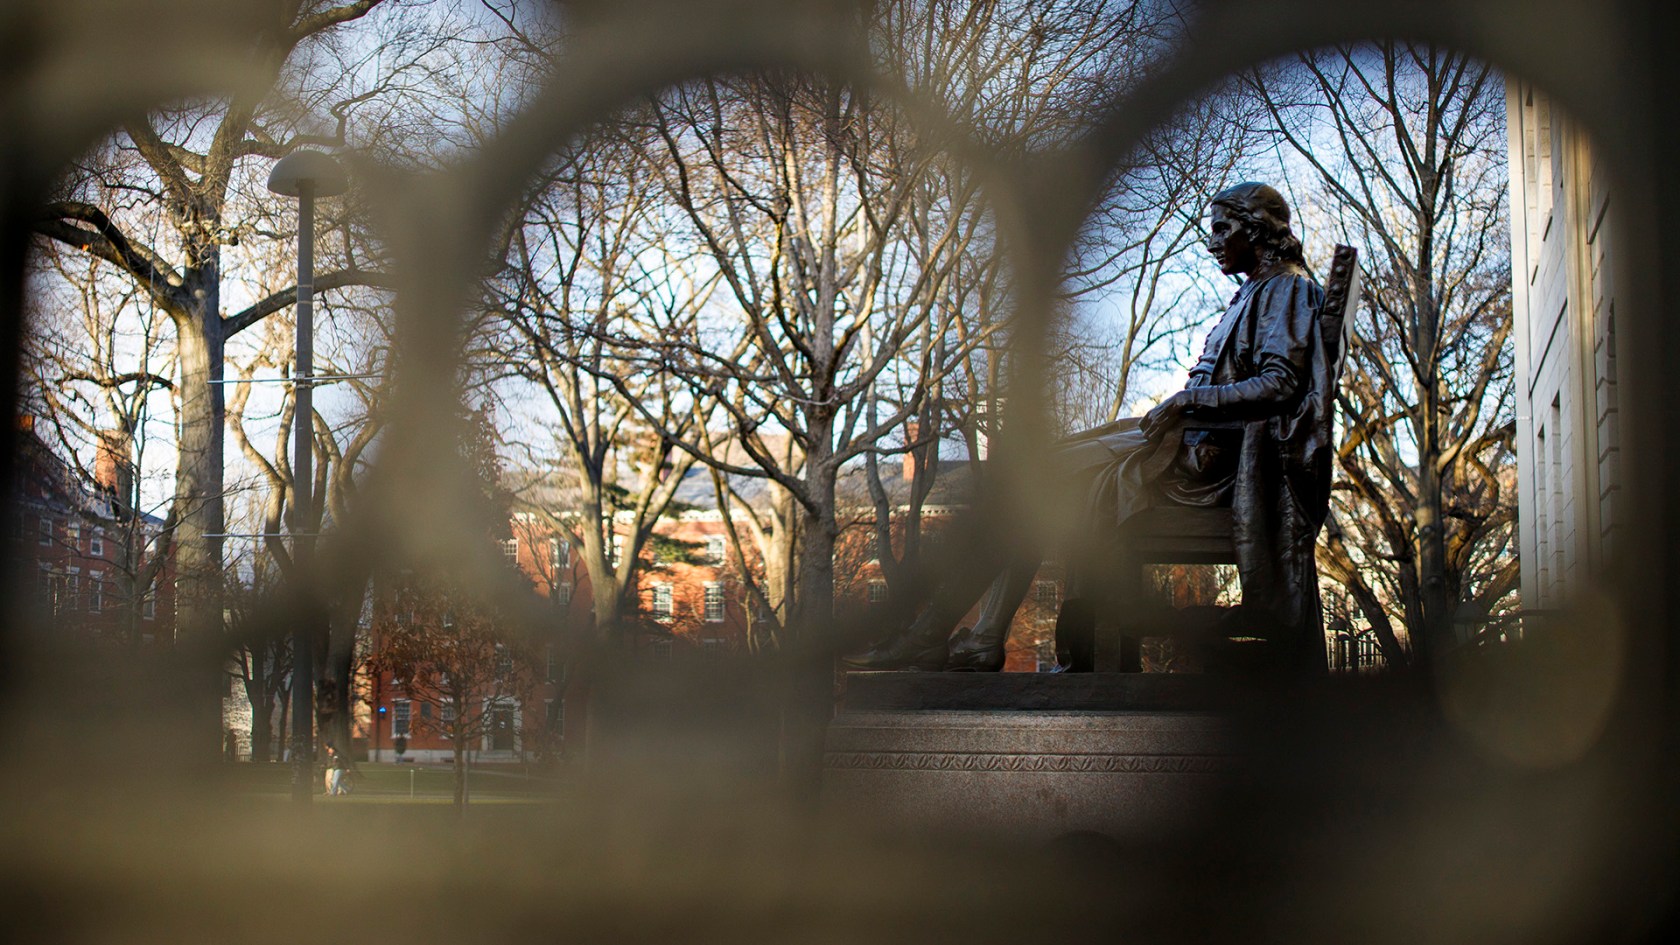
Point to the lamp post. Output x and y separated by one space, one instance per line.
304 175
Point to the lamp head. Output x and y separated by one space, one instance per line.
324 174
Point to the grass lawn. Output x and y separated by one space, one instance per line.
405 784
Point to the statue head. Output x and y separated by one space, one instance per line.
1255 236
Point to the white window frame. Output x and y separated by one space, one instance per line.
563 593
877 592
72 596
510 549
717 547
663 602
516 721
714 601
96 543
45 531
559 553
402 718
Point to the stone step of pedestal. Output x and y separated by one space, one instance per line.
1029 756
1082 692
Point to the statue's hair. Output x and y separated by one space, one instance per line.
1265 216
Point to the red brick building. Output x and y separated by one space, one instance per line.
88 562
690 604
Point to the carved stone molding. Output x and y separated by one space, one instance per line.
1082 763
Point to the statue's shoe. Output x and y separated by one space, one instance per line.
900 653
974 653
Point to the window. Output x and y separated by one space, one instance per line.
447 713
73 535
504 663
662 601
661 649
510 550
1542 509
554 714
426 711
96 544
400 709
1044 657
148 604
45 532
877 591
714 602
1558 498
550 665
715 548
1535 116
1044 593
563 593
712 650
96 593
617 550
559 553
61 592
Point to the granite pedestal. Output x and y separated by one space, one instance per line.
1029 756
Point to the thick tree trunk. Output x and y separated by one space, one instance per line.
280 730
198 486
781 552
1432 563
460 776
335 683
605 594
262 732
811 690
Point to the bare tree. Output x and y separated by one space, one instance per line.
338 450
453 653
261 658
184 166
452 631
590 278
99 362
1405 148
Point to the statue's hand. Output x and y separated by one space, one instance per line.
1158 421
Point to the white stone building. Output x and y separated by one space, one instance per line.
1564 307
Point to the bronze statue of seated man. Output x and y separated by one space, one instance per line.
1268 372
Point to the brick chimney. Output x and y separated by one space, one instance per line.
112 468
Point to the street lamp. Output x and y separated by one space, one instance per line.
304 175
